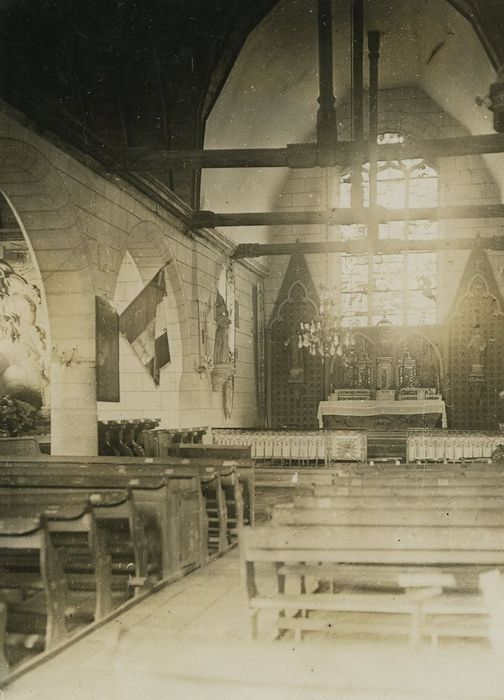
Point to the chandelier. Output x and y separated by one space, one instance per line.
324 335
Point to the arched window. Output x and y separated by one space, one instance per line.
400 287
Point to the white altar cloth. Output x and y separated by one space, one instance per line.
381 408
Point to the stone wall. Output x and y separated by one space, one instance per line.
81 221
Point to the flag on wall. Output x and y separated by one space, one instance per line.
144 325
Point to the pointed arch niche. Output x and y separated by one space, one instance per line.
295 379
476 342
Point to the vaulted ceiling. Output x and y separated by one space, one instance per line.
103 74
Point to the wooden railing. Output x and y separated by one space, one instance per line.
290 447
451 446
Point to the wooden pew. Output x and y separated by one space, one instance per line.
427 491
76 522
245 468
306 513
50 542
166 498
234 504
209 451
388 514
29 535
161 466
288 547
390 469
112 471
216 510
361 502
160 509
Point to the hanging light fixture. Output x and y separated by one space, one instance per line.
324 336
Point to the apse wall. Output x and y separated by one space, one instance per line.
462 180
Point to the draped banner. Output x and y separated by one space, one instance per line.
144 325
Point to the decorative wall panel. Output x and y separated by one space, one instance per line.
476 342
259 350
296 382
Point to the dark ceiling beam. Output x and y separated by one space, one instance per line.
327 130
209 219
304 155
374 56
357 97
364 246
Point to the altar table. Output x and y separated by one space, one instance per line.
382 408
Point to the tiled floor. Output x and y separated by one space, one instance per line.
190 641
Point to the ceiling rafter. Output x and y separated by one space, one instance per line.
365 246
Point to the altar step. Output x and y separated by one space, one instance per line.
387 445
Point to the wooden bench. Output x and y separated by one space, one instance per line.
209 451
305 551
186 503
452 468
161 466
161 508
346 502
77 521
307 512
157 441
47 539
177 466
388 514
447 490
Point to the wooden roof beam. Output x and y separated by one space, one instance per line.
306 155
209 219
364 246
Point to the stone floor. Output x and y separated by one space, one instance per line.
190 641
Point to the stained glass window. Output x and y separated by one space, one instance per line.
399 287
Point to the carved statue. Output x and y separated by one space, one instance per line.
477 346
296 366
407 371
221 345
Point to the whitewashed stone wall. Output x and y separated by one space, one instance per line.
81 221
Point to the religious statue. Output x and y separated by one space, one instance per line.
296 364
407 371
362 371
477 346
384 373
221 345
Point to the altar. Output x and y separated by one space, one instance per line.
382 414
